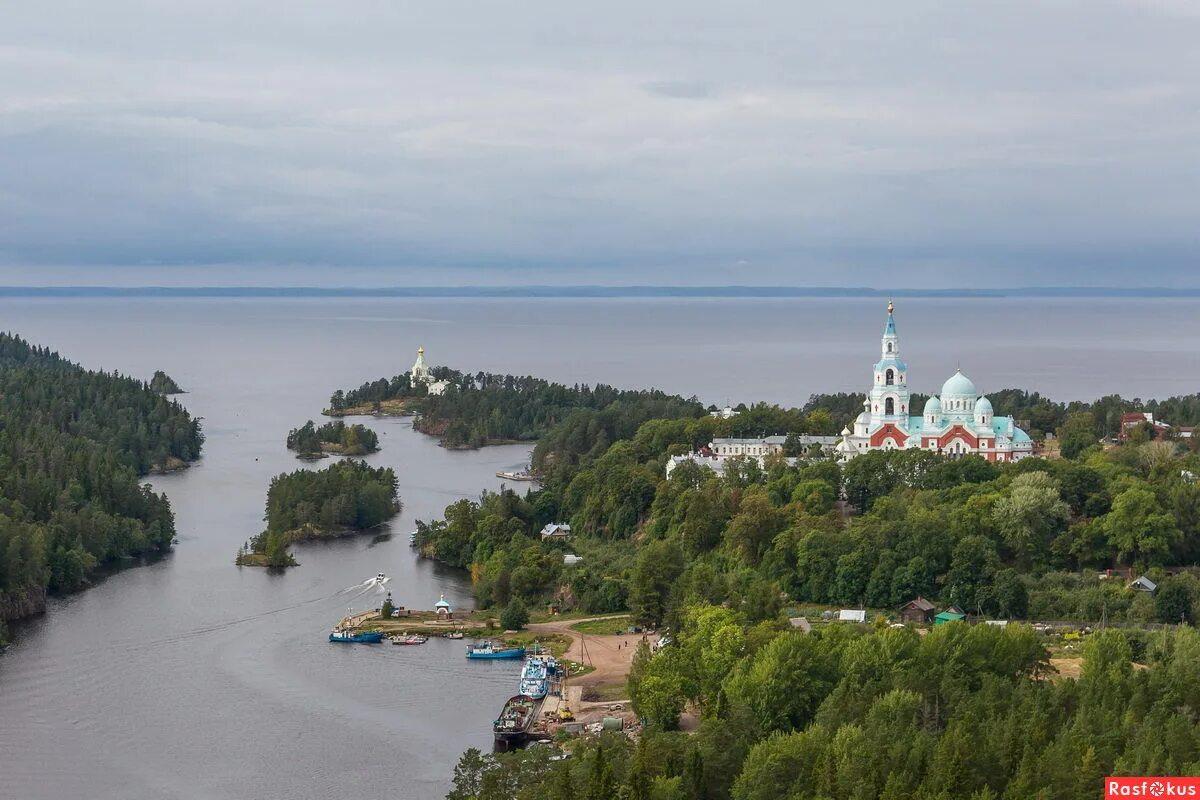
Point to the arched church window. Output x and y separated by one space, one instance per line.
891 378
889 407
889 347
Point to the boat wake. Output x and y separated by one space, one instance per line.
376 585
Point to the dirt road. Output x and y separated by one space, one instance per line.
610 655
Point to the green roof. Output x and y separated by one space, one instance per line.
948 616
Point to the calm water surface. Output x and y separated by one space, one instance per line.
191 678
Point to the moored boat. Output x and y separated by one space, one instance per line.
412 638
490 650
515 718
534 678
454 635
346 635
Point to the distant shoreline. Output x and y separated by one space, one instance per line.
534 292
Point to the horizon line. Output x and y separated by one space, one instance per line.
590 290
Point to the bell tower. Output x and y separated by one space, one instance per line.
889 397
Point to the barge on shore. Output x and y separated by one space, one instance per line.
515 720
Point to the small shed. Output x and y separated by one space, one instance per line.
560 531
917 610
801 624
1143 584
443 609
852 615
570 559
948 616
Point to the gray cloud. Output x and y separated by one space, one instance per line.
1021 142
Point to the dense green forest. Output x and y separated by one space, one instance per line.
485 408
853 712
347 496
73 445
338 437
1023 540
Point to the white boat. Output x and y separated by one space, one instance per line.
412 638
379 580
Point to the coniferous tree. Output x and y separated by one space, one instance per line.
562 789
601 785
693 776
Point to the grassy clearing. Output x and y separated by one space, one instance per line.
556 643
577 670
606 693
602 627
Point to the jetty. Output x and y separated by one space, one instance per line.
523 475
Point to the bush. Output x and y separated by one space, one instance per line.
515 615
1173 602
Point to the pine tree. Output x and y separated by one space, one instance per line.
693 776
601 785
563 790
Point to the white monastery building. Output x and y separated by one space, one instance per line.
957 423
420 374
720 451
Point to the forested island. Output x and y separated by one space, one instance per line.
74 444
343 498
723 561
310 441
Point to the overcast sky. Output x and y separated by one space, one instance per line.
443 142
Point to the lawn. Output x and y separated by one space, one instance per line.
617 623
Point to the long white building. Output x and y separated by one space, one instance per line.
720 451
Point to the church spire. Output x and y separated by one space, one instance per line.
890 346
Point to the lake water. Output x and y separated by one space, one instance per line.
191 678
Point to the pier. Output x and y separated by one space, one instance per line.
524 475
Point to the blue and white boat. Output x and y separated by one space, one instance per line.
535 678
490 650
349 636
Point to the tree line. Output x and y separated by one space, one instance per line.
485 408
74 444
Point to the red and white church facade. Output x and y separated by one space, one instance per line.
956 423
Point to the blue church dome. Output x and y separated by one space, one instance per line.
958 385
933 406
983 406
